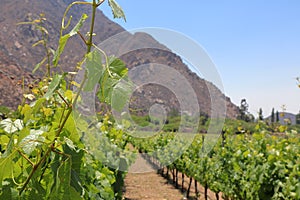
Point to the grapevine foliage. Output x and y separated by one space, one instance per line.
258 166
46 153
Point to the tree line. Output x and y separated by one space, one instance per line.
275 117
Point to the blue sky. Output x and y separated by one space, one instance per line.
255 44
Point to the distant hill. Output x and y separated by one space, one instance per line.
18 57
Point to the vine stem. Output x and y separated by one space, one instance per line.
90 42
64 100
70 106
63 27
25 157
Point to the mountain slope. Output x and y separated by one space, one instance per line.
16 47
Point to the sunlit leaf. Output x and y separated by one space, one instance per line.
121 95
116 9
6 167
9 147
115 87
10 126
36 106
75 84
69 143
47 111
30 142
29 96
54 85
23 133
117 66
69 95
106 87
26 111
69 128
61 46
94 69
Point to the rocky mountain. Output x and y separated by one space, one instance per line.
11 81
18 57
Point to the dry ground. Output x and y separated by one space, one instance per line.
143 182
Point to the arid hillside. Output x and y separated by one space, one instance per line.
18 57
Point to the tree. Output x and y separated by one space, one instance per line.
272 116
277 116
243 111
260 115
298 118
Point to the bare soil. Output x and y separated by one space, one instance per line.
143 182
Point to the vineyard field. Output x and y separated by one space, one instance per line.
258 166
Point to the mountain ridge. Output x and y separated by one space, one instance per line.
16 45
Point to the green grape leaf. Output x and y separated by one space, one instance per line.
54 85
76 182
115 92
70 126
37 105
61 46
10 127
64 39
62 188
298 186
8 192
30 142
106 87
23 133
6 167
106 178
26 111
76 156
9 147
77 162
64 176
121 95
115 87
94 70
54 167
62 181
109 175
116 9
39 191
70 143
117 66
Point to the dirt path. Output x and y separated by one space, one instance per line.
143 182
